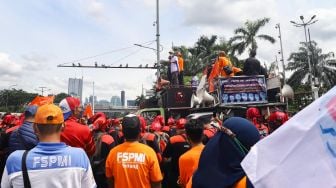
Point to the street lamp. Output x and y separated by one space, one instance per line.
9 87
304 25
277 26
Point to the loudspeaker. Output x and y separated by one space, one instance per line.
177 97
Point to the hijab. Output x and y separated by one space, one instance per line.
219 164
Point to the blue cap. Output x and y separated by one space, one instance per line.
30 110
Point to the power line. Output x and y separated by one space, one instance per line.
43 88
107 52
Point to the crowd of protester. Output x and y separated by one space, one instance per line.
126 152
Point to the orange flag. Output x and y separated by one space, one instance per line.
41 100
88 111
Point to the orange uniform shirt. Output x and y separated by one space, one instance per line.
240 184
133 164
188 163
217 70
223 62
180 63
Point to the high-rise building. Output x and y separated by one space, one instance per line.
91 99
104 103
115 101
75 87
122 98
131 103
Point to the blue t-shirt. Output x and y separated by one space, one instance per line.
50 165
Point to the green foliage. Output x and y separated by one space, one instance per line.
245 37
60 97
139 99
298 63
14 100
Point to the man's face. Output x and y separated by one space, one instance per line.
78 111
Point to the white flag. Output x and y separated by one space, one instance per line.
301 153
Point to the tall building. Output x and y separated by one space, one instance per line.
115 101
75 87
131 103
103 102
122 98
91 99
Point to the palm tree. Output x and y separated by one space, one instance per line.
139 99
298 62
197 57
245 37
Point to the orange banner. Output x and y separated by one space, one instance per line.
41 100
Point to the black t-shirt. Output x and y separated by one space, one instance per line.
252 67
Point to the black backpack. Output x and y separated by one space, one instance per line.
97 162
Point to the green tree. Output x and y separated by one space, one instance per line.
298 63
203 53
246 37
139 99
59 97
15 99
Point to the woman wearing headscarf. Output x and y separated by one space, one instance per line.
219 164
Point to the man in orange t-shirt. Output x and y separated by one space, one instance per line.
188 162
181 67
133 164
222 67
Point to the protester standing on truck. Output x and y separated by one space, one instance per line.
222 67
252 66
174 68
181 68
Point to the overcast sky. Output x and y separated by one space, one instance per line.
36 36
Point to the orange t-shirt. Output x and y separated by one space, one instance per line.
133 164
217 70
180 63
240 184
223 62
188 163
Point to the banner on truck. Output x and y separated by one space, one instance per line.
243 90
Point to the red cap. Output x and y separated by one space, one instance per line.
116 121
252 113
155 126
180 123
99 121
171 121
278 118
8 119
160 119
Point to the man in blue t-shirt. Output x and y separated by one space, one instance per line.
51 163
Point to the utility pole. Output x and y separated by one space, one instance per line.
282 56
93 98
157 39
42 89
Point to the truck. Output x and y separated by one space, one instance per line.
233 96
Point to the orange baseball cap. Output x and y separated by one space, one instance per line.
49 114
